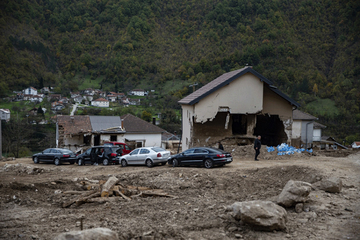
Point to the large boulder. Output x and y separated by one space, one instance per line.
89 234
331 185
262 215
294 192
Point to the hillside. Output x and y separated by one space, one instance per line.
311 50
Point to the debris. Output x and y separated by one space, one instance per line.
110 191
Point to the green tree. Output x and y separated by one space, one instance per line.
147 116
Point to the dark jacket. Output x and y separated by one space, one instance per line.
257 144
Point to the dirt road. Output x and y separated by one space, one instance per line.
32 194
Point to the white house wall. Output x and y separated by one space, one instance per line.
149 140
106 138
248 89
296 129
317 135
307 132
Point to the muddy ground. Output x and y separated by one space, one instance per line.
31 196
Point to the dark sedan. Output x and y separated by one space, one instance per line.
100 154
203 156
55 155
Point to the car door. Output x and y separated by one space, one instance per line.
143 155
86 156
126 149
132 157
199 156
51 155
43 155
93 155
187 157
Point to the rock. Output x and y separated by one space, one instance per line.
263 215
331 185
294 192
299 207
89 234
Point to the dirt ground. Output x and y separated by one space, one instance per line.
31 196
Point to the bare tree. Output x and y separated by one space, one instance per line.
15 135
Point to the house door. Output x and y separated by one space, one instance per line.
96 140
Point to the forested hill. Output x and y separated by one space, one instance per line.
310 49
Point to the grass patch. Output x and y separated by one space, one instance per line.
323 107
87 82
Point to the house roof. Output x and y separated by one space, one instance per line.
100 100
74 124
105 123
5 110
166 136
133 124
299 115
227 78
318 125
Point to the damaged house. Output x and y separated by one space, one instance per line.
237 105
77 132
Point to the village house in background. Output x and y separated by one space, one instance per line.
100 102
89 96
4 114
237 106
355 145
138 92
303 129
80 132
140 133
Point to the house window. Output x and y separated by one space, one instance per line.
113 138
239 124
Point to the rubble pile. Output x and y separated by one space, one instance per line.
22 169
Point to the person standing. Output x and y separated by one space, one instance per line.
221 147
257 146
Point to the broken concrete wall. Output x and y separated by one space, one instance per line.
72 142
107 138
276 105
187 126
208 133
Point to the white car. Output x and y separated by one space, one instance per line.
148 156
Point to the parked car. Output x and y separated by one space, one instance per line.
101 154
148 156
204 156
55 155
123 146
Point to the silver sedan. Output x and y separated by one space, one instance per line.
148 156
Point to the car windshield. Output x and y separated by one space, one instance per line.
157 149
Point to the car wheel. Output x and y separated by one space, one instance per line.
175 163
123 163
57 161
149 163
105 162
80 162
36 160
208 163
